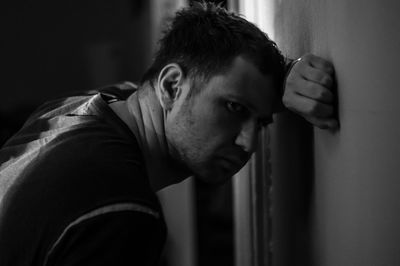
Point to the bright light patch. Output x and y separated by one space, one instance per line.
261 13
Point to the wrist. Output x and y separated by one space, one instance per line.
289 63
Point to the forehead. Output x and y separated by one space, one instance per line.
245 83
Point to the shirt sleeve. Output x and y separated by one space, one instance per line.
114 238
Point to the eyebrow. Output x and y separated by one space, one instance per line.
264 119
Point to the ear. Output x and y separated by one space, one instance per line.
169 83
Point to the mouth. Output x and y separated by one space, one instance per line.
221 169
229 163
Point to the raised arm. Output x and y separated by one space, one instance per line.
309 91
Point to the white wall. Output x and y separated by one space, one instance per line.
354 201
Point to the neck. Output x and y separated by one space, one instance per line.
144 115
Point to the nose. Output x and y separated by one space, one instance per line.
248 136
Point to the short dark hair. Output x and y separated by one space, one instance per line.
205 38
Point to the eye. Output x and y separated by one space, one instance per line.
235 107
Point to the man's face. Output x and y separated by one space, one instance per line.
214 132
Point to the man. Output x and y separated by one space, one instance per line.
78 181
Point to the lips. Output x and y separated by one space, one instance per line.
231 163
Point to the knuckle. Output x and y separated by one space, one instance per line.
318 92
313 89
318 76
327 66
327 95
289 102
322 93
312 108
321 76
325 80
286 100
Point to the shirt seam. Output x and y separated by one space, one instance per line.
112 208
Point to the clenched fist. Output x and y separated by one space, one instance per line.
308 91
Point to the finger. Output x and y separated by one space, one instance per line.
316 75
318 62
313 90
306 106
323 123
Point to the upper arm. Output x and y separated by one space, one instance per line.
123 237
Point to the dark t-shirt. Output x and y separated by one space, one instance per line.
74 189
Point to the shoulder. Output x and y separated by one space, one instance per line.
109 235
86 187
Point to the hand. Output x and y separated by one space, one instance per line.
308 91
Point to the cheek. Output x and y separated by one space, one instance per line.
216 121
215 133
200 131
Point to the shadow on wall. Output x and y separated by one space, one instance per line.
293 142
214 224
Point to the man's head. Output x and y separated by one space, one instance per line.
217 78
204 39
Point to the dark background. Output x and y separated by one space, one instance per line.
51 48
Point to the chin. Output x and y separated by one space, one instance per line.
217 177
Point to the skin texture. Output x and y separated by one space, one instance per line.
214 132
309 91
